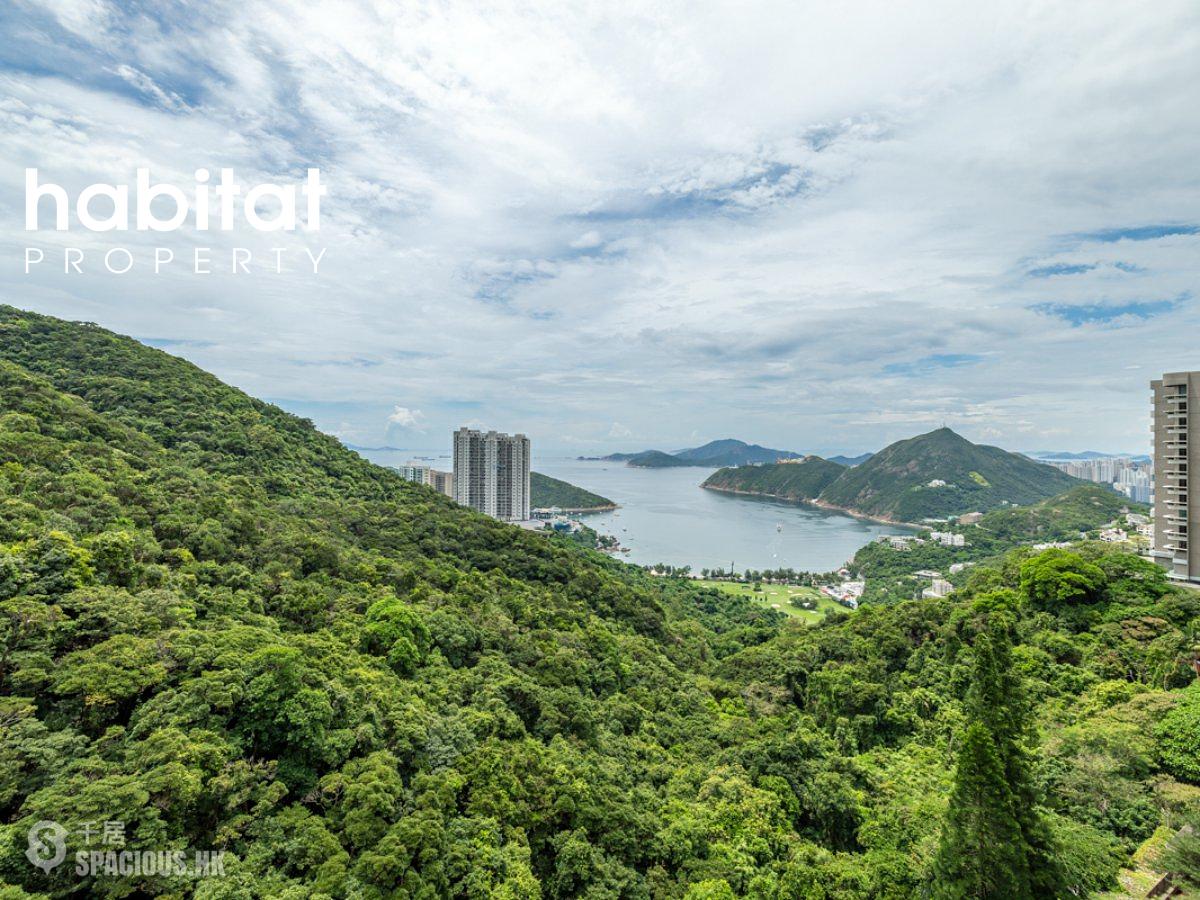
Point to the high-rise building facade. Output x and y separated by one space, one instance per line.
443 482
491 473
1176 452
415 472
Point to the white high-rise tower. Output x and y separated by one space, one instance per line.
491 473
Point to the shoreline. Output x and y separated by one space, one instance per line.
828 507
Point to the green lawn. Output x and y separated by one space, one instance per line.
779 596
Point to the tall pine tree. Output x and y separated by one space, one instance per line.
996 844
982 853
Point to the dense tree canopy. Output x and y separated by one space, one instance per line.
224 630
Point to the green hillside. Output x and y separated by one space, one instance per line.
1081 509
899 482
788 481
732 452
656 459
546 492
224 630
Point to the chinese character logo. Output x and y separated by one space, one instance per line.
47 845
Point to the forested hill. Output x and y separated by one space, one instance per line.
732 452
942 474
932 475
1062 517
802 480
224 630
188 411
546 492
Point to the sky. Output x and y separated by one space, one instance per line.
814 226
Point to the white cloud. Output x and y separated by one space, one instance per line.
619 431
145 84
587 241
403 417
789 200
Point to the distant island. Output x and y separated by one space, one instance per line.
649 459
930 476
851 460
546 492
714 454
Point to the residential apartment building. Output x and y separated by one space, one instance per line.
491 473
415 472
442 482
1176 448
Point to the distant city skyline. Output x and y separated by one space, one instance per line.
652 226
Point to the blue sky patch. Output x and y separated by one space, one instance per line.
928 365
1138 233
1061 269
1106 313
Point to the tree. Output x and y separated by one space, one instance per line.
995 841
1057 577
1181 856
981 854
1179 738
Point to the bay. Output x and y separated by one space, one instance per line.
666 517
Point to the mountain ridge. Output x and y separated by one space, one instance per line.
850 460
714 454
929 476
